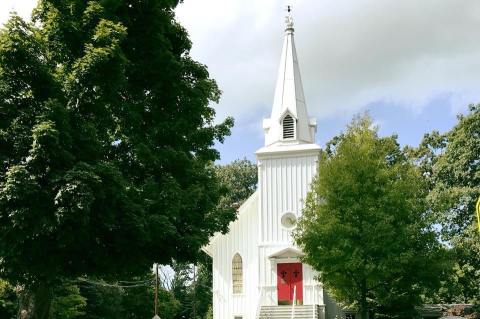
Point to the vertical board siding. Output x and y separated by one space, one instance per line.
242 239
283 183
283 188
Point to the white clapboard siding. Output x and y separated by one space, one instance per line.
284 183
242 239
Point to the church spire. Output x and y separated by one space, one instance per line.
289 122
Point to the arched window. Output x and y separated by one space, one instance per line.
237 274
288 127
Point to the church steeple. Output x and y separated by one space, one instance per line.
289 122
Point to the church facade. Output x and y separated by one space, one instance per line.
257 269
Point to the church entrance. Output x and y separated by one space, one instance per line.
289 283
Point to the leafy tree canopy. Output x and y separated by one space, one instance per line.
107 136
365 226
239 180
451 164
8 300
68 303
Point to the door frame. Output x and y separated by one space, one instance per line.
289 261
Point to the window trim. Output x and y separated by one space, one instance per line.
241 284
294 123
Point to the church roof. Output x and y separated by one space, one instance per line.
243 209
287 253
289 98
292 149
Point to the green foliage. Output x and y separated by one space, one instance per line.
455 173
194 296
168 305
209 314
107 134
451 164
365 226
103 302
460 284
203 286
8 300
240 179
137 303
130 301
183 289
68 303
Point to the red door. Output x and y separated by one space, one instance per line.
297 282
289 282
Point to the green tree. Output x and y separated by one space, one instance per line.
182 289
8 300
67 302
103 301
193 290
107 143
451 164
126 299
203 285
209 314
365 226
240 180
138 302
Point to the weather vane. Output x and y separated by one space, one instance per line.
289 19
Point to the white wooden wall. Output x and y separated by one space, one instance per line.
312 289
242 238
283 183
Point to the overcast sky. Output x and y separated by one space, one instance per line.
413 64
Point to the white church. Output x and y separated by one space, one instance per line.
257 270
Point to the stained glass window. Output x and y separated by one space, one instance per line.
237 274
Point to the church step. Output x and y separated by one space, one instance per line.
285 312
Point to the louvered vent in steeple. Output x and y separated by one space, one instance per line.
288 127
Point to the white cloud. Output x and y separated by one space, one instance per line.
22 7
352 53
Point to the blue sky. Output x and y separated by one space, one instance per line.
412 64
437 114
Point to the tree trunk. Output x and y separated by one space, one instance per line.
363 301
25 303
36 304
